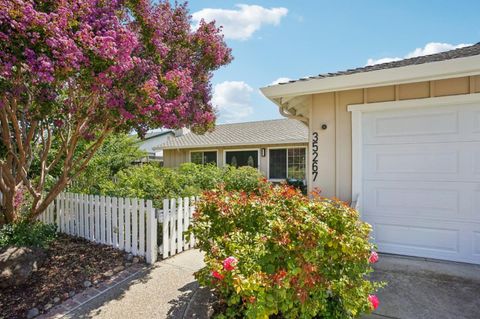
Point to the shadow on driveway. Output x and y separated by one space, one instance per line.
419 288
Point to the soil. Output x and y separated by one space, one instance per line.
70 262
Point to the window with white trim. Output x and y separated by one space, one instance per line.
204 157
287 163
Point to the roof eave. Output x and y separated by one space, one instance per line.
302 141
407 74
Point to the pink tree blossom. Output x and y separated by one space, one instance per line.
78 70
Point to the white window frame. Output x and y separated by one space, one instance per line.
357 111
285 148
239 150
204 150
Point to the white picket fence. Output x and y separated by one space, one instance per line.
128 224
175 218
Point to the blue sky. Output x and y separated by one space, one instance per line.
292 39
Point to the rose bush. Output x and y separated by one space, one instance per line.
273 251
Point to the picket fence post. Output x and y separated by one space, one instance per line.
152 252
165 224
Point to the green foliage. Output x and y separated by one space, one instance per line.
146 181
151 181
297 257
243 178
28 234
116 154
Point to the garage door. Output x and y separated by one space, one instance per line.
421 181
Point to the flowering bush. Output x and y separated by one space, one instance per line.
74 71
273 251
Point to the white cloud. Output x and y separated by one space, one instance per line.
240 24
233 100
280 80
429 48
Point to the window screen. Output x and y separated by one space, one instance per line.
204 157
296 163
196 157
210 157
278 164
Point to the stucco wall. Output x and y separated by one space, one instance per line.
173 158
335 143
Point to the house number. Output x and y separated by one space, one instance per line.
315 156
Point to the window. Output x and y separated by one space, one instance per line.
287 163
203 157
242 158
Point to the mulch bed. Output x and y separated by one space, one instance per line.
70 263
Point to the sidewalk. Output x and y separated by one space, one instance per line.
162 291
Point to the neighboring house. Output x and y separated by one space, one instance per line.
404 139
276 147
151 140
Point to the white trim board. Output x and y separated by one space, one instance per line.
358 110
430 71
415 103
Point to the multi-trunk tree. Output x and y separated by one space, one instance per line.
74 71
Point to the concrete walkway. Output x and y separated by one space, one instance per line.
417 289
162 291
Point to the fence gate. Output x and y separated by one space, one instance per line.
175 218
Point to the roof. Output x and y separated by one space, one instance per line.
283 131
150 135
155 134
294 98
442 56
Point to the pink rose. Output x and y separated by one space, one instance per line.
373 299
217 275
373 257
230 263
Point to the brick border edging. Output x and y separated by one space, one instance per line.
93 292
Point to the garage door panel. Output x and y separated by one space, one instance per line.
422 125
476 243
432 161
410 126
426 238
443 240
424 199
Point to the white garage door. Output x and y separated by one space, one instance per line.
421 181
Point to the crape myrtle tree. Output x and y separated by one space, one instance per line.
74 71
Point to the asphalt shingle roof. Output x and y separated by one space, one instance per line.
442 56
283 131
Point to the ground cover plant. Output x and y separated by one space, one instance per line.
273 252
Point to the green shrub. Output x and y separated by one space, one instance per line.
200 177
145 181
153 182
23 233
297 258
245 178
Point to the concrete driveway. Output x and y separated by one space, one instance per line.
420 288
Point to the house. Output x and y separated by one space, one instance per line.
278 148
151 140
402 138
